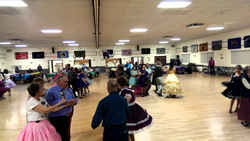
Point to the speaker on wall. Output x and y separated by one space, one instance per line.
53 50
120 61
137 47
90 63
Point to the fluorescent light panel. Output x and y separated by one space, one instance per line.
13 3
69 42
163 42
138 30
73 45
51 31
5 43
21 46
215 28
176 39
119 44
124 41
174 4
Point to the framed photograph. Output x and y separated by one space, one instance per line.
38 55
234 43
194 48
185 49
161 50
247 41
62 54
126 52
217 45
21 55
203 47
145 51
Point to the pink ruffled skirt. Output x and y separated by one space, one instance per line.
42 131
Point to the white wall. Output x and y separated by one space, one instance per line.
222 57
7 59
3 62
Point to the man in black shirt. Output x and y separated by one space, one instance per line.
113 111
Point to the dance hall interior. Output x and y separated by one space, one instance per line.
124 70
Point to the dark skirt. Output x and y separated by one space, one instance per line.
244 110
138 118
115 133
2 91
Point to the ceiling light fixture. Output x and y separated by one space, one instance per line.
69 42
21 46
51 31
13 3
138 30
174 4
215 28
73 45
5 43
124 41
119 44
176 39
163 42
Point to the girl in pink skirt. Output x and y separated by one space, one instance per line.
38 128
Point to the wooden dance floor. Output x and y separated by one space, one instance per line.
202 115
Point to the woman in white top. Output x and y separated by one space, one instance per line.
38 127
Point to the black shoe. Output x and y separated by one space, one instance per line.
245 123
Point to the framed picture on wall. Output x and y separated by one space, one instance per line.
217 45
234 43
38 55
126 52
145 51
79 53
161 50
203 47
185 49
194 48
21 55
62 54
247 41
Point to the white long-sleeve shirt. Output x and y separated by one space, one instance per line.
245 83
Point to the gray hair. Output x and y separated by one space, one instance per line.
59 78
247 68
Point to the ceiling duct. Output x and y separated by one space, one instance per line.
96 17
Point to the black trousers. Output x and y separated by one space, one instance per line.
115 133
62 125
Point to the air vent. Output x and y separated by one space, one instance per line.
167 36
173 45
9 11
195 25
16 40
9 50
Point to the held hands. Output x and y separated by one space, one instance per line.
70 103
128 97
63 101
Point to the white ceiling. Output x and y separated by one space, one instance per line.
75 18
